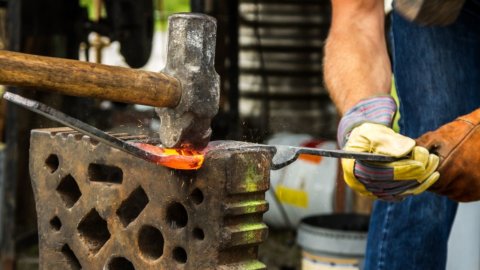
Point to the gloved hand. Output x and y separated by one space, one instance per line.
365 128
457 143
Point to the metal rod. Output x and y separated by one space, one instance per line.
80 126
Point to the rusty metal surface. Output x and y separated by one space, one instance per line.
191 55
100 208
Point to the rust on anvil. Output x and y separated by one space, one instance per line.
100 208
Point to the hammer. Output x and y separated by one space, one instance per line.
185 94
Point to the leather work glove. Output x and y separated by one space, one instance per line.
456 143
366 128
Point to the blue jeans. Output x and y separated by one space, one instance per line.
437 74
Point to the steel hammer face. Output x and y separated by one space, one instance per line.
190 59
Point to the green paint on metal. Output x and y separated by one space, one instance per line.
251 237
249 207
251 226
252 178
253 265
248 265
252 232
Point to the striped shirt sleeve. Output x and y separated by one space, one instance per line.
379 110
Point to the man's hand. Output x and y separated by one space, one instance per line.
388 181
457 145
365 128
357 73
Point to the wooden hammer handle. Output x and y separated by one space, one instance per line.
83 79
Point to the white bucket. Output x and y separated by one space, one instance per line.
333 242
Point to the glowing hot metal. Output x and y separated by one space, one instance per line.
182 158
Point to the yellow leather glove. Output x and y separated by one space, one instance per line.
393 180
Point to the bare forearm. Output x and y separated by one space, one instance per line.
356 63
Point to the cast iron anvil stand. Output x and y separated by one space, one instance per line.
100 208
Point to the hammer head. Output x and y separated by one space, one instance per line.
190 59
